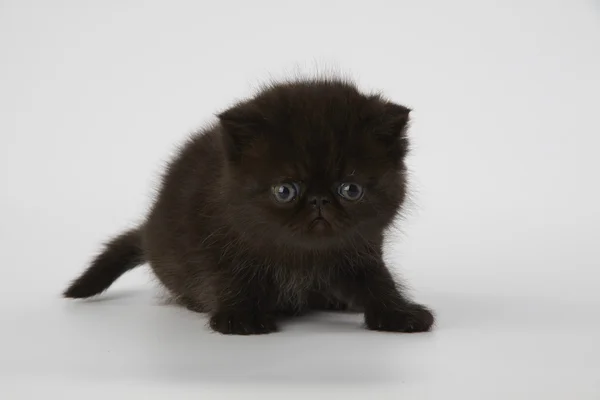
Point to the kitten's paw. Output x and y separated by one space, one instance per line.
409 318
242 323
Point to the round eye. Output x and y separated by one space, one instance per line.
350 191
285 192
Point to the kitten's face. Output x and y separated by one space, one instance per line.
315 165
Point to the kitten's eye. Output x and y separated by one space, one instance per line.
286 192
350 191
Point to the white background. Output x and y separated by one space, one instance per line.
501 239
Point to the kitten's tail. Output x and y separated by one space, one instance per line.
121 254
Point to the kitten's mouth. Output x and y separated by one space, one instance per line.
319 225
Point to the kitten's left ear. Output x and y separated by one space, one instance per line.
392 123
397 117
242 124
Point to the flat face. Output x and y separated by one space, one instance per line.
315 167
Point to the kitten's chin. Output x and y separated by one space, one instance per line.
320 227
319 234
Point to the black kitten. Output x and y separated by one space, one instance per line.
278 209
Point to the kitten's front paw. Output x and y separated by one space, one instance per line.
408 318
242 323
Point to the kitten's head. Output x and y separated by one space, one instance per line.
313 164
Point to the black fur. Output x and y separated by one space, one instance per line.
220 240
120 255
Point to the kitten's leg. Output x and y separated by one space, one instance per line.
192 304
386 309
320 302
315 301
287 312
244 308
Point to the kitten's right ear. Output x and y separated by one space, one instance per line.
241 124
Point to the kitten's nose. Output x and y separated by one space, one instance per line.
318 201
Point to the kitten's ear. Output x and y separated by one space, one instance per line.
241 124
397 117
391 127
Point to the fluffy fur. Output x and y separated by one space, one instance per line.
278 209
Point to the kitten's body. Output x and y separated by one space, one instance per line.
222 242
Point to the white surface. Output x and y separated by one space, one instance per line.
502 241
